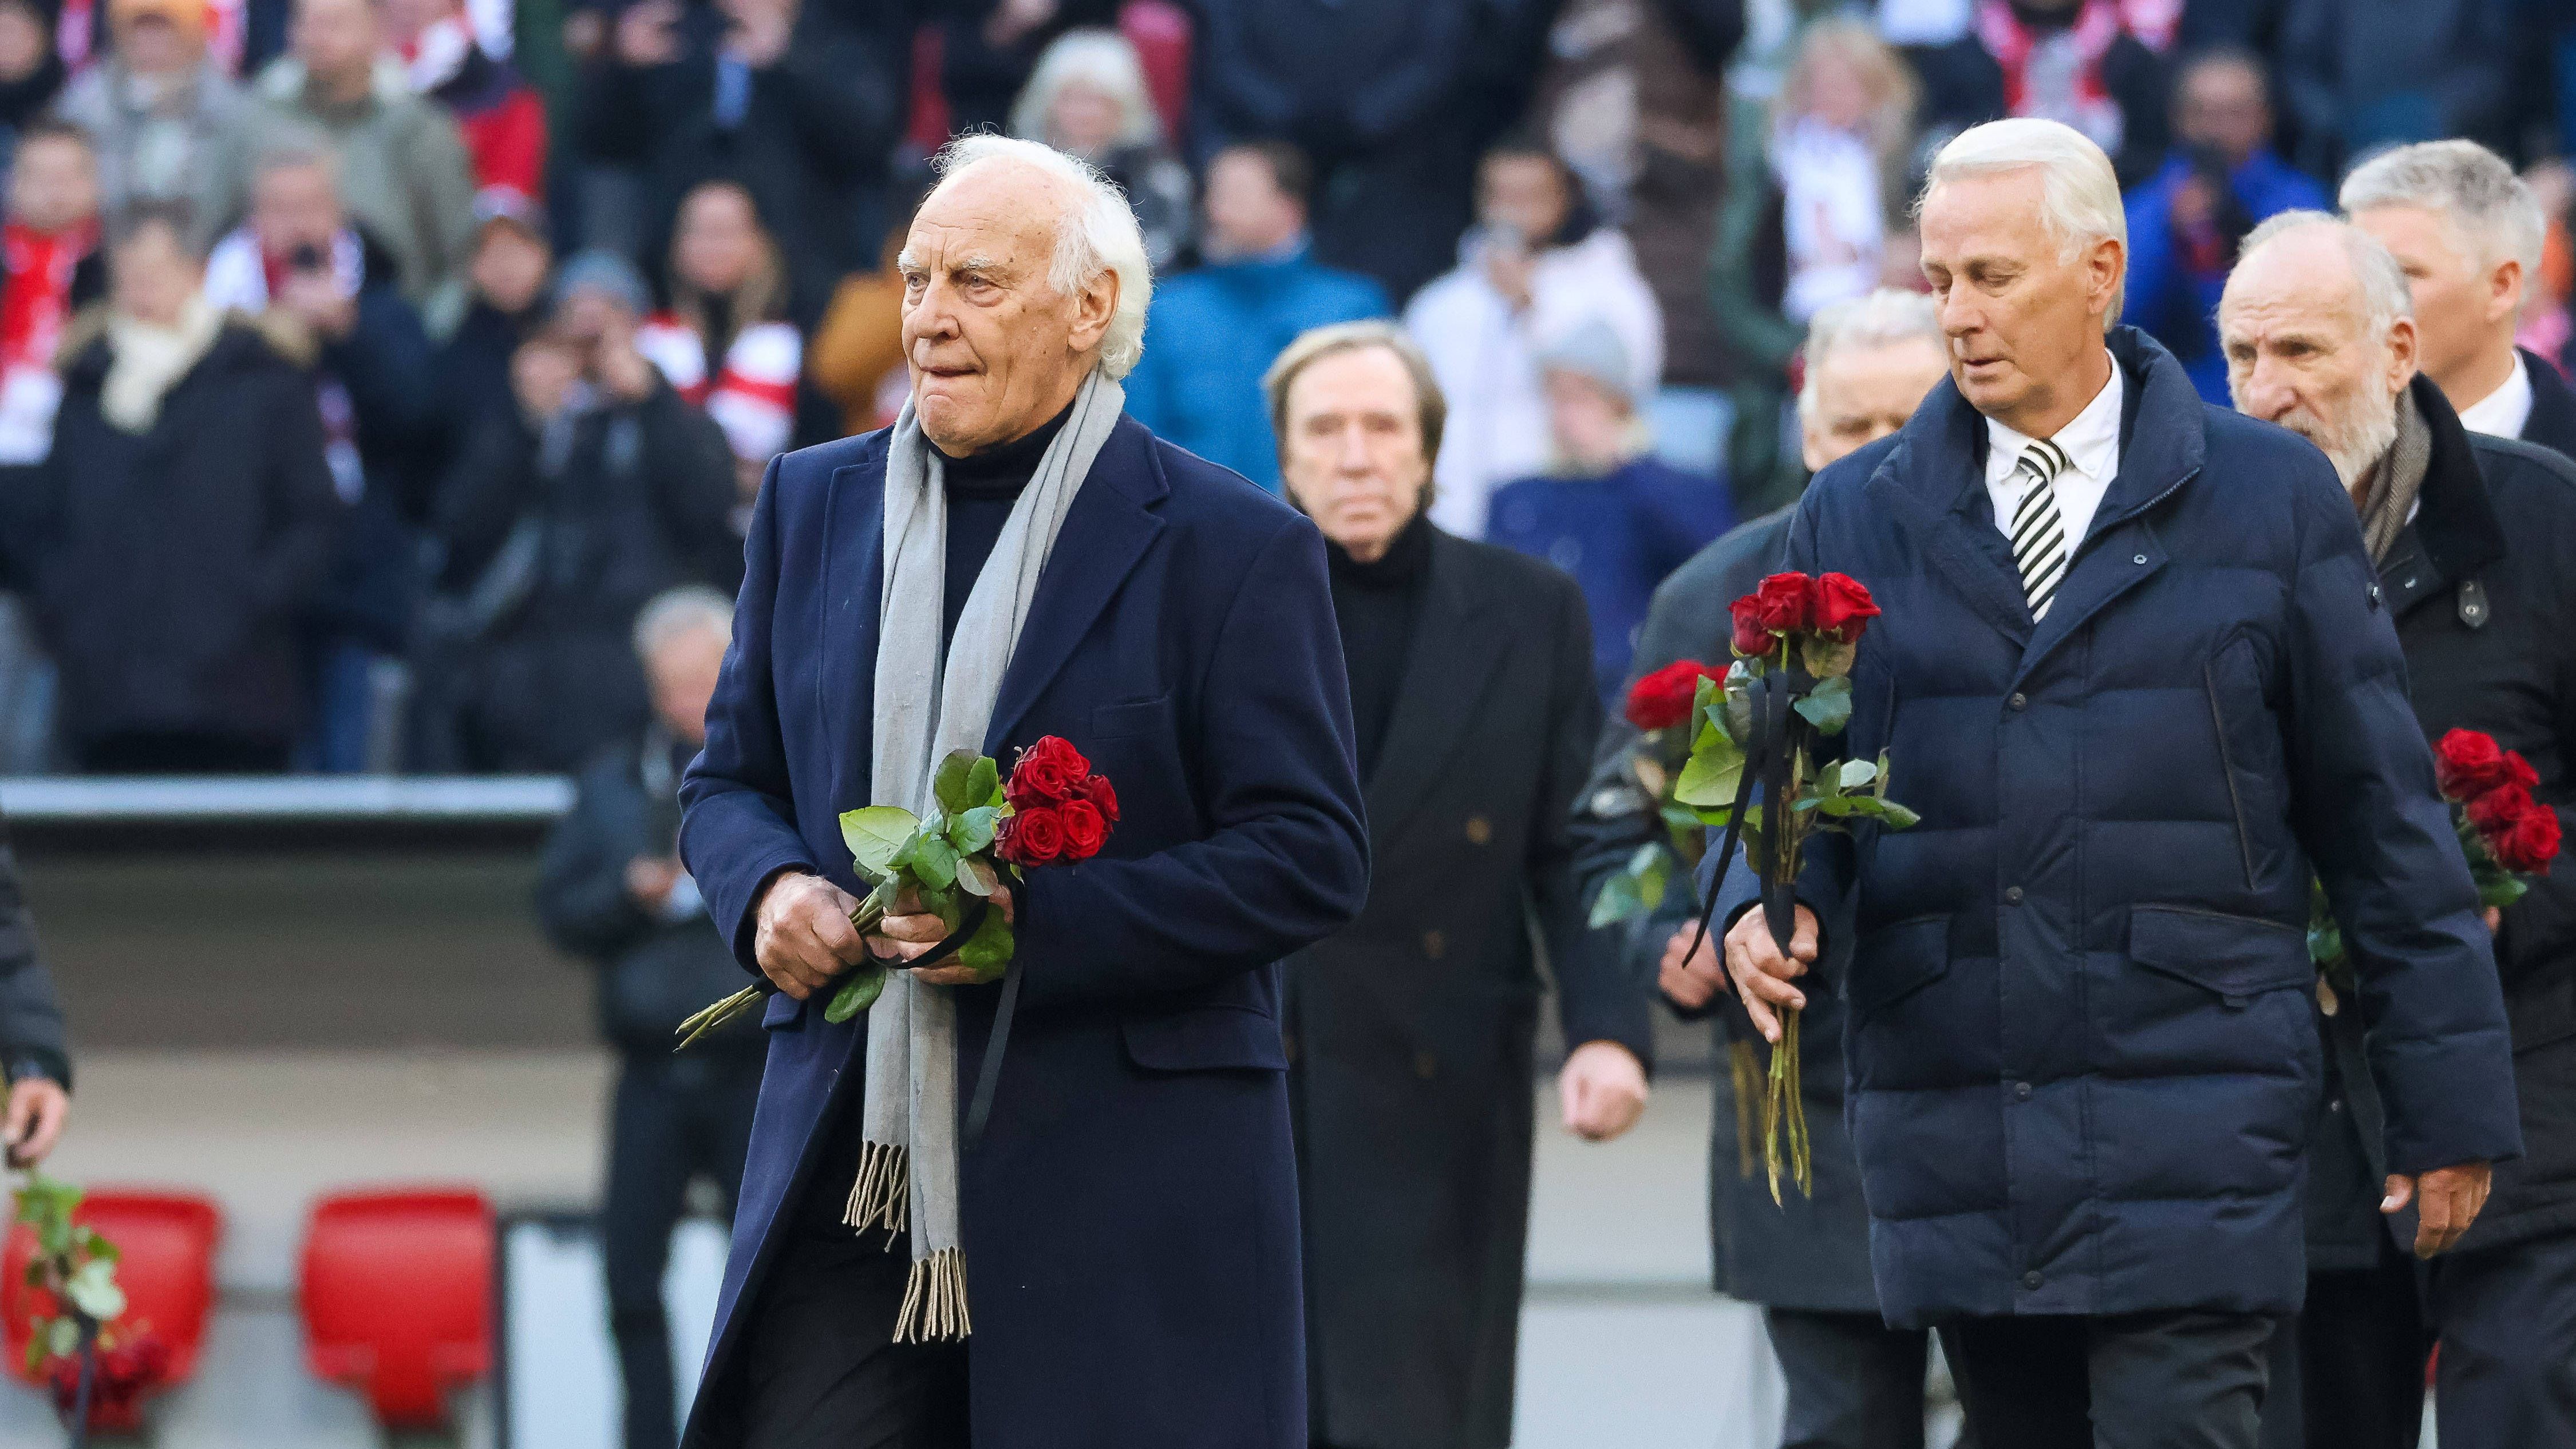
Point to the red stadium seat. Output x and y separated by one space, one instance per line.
166 1243
1160 31
398 1298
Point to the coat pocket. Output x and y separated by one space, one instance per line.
1895 961
2234 958
1136 717
1206 1039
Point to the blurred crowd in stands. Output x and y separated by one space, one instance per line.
366 365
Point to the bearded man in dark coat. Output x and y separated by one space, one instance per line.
1016 559
1413 1029
2136 674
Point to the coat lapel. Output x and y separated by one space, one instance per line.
1446 666
853 579
1105 535
1933 484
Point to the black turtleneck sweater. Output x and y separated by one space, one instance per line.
981 489
1376 605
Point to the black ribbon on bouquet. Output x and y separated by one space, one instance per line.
1770 748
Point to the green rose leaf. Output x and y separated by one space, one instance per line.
972 832
935 861
1828 706
1828 658
93 1290
984 783
1836 806
865 984
875 834
1617 902
36 1354
952 784
1897 817
1715 770
63 1338
976 876
1853 774
989 949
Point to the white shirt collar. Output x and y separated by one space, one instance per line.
2092 444
2503 412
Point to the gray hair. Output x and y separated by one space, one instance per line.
1095 232
674 614
2385 297
1103 60
2079 194
1431 405
1884 318
2492 209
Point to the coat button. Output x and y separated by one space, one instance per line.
2012 895
2019 700
2021 1091
2032 1280
1434 945
1480 831
2141 558
1425 1065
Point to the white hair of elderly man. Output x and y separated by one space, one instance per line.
1098 233
2492 210
1883 318
2079 193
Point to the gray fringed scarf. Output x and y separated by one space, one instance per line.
908 1163
2388 498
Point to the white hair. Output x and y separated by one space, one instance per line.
2079 199
675 614
2385 297
1095 232
1102 60
1884 318
2468 185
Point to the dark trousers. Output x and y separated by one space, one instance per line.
820 1368
2507 1318
1854 1382
2174 1380
674 1119
2348 1371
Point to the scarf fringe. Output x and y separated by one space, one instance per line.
1748 1087
934 1300
883 1191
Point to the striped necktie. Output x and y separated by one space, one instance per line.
2038 533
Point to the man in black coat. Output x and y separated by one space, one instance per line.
2083 1064
1854 1382
613 891
1412 1029
2468 232
2475 539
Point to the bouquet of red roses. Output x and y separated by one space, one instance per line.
1053 810
1661 705
2506 835
98 1367
1795 641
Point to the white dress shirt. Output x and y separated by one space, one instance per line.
2503 412
2092 444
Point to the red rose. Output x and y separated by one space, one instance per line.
1049 773
1103 797
2532 843
1663 699
1843 607
1751 640
1030 837
2468 764
1786 603
1084 830
2495 812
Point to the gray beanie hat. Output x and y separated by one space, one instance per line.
603 271
1592 351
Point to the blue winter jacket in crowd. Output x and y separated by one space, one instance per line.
2178 302
1619 535
1211 334
2083 1064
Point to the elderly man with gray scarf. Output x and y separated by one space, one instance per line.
2475 538
1116 1256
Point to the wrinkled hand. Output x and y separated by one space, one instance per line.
1690 979
2494 916
908 932
2447 1200
804 937
1762 975
621 370
38 1107
1602 1090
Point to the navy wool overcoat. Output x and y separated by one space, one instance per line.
2082 1061
1130 1216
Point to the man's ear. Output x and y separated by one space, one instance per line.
2504 289
1092 311
2105 264
2403 347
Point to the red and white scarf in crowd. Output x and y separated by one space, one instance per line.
2057 75
752 396
34 306
241 276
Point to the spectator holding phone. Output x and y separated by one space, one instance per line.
558 520
511 265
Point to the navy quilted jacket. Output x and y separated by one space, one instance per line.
2082 1063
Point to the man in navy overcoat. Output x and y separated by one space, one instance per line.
1129 1218
2136 674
